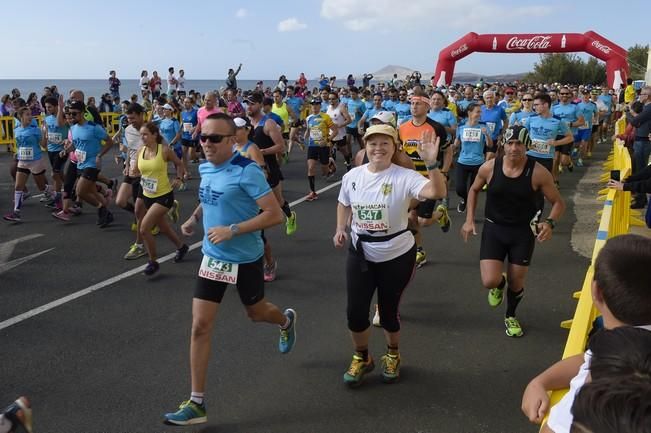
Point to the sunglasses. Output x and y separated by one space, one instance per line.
74 113
213 138
564 94
526 99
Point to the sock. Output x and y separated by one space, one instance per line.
512 301
363 353
311 180
18 200
286 209
419 248
197 397
502 283
393 350
57 195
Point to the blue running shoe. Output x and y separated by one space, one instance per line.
288 336
189 413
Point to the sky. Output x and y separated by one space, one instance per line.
85 39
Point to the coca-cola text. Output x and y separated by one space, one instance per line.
534 43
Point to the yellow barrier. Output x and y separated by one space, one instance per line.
616 219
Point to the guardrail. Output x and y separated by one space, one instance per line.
616 219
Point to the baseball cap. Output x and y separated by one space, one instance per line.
382 130
385 117
315 101
242 122
254 98
517 132
168 107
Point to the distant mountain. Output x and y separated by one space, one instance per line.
387 72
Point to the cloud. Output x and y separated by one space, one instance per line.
363 15
241 13
291 25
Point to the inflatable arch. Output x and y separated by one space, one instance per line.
589 42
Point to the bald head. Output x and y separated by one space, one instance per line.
77 95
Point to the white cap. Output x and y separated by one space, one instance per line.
239 122
168 107
385 117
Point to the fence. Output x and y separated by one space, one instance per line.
616 218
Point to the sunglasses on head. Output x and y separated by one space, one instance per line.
527 99
213 138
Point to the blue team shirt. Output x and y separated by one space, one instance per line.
87 140
473 142
370 112
403 112
356 109
168 129
542 129
568 113
445 117
607 100
191 118
55 134
389 105
463 104
494 119
28 143
518 116
588 110
296 104
228 194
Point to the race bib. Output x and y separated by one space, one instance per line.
149 185
491 127
540 146
216 270
81 155
316 134
187 127
25 154
472 135
54 137
371 217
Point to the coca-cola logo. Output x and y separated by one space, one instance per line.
461 49
601 47
535 43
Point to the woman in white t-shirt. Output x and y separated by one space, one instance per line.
374 199
144 83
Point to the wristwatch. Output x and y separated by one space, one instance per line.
551 222
234 228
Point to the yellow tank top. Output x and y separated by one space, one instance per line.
154 180
283 113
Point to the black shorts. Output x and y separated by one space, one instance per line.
90 173
352 131
57 161
296 124
548 163
338 144
426 208
135 186
499 242
275 176
595 128
189 143
320 153
250 285
165 200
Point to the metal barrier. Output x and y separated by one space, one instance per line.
616 219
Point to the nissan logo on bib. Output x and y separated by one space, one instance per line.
534 43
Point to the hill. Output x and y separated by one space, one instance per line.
386 73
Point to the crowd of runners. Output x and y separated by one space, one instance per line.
405 147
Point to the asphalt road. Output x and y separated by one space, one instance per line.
115 358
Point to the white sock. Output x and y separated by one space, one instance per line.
197 397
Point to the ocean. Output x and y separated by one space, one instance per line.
129 87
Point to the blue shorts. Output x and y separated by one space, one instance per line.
582 135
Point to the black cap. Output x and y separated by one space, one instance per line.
255 98
77 105
315 101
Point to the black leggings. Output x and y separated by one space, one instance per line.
463 173
390 278
70 178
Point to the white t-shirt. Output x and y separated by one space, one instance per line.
380 205
180 83
144 83
338 120
171 82
134 143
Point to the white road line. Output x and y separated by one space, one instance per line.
4 267
98 286
6 248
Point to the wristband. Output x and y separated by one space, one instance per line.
433 166
551 223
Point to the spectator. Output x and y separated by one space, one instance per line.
350 81
144 83
302 81
6 107
282 85
231 80
641 145
155 85
91 103
629 92
106 104
323 82
180 84
47 92
34 105
366 80
114 85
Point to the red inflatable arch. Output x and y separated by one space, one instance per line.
589 42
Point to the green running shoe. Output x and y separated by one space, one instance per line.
390 367
290 224
189 413
513 328
444 220
357 369
495 297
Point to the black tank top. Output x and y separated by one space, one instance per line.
511 201
263 141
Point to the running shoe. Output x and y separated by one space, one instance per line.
45 198
183 187
61 215
575 153
26 194
75 210
106 220
495 297
288 336
152 267
51 203
290 224
135 252
285 158
270 271
421 257
134 226
461 207
13 217
570 167
19 414
332 167
189 413
357 370
376 317
173 213
390 367
579 162
444 220
312 196
180 253
485 187
513 328
155 230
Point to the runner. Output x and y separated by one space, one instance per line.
567 112
441 114
589 111
495 119
356 109
170 129
468 98
510 103
232 192
16 415
512 223
338 112
370 112
29 142
382 255
320 132
157 194
402 108
288 116
410 134
56 131
69 207
189 144
296 105
606 98
526 111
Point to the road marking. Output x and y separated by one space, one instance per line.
98 286
6 248
4 267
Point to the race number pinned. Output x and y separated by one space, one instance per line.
54 137
472 135
25 154
217 270
81 156
371 217
187 127
149 185
540 146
